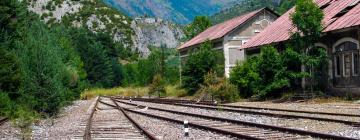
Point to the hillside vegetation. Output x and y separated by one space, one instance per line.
279 6
178 11
93 15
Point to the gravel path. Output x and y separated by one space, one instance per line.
170 131
165 130
345 118
7 131
335 107
256 132
304 124
69 124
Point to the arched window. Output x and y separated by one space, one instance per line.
346 59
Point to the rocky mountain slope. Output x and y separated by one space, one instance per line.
155 32
99 17
178 11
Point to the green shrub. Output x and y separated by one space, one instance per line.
157 86
260 77
5 104
219 88
198 64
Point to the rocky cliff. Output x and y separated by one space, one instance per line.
155 32
98 17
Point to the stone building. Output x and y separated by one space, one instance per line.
230 35
341 37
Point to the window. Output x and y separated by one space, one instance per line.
346 60
347 65
337 65
356 64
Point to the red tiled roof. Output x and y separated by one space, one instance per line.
219 30
281 29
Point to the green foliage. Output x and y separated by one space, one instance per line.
24 118
117 22
98 65
307 18
5 104
251 5
200 24
157 86
10 75
99 55
198 64
43 76
260 77
163 61
219 88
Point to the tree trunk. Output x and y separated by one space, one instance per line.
303 80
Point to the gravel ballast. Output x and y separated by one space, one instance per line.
303 124
169 131
68 125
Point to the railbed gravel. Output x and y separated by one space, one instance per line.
165 130
303 124
346 118
67 125
334 107
8 131
200 120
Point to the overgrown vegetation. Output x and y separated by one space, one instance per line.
198 64
272 72
163 61
218 88
263 75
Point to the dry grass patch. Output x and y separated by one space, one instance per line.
175 91
119 91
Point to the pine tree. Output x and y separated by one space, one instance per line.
43 70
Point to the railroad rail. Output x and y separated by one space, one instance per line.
112 123
235 128
3 120
254 110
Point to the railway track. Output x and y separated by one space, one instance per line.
112 122
234 128
348 119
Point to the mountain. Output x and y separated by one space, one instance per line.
155 32
178 11
96 16
279 6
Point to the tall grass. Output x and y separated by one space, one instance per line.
171 91
175 91
119 91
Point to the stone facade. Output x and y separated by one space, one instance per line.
343 75
232 41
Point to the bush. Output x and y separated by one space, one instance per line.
260 77
157 86
219 88
197 65
5 104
